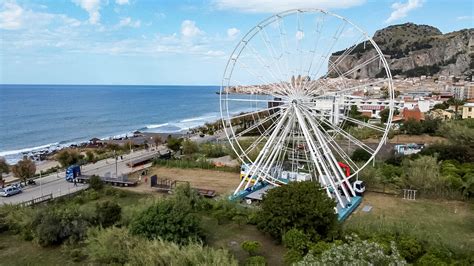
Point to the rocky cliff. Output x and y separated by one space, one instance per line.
412 50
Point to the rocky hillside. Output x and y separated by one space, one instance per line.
413 50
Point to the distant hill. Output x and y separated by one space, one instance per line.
413 50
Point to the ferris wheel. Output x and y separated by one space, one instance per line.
289 101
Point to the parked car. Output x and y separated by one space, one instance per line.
10 190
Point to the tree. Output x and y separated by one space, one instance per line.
4 169
412 127
442 106
384 114
173 143
189 147
252 247
108 213
24 169
456 103
67 157
300 205
169 220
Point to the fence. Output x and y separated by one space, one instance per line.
37 200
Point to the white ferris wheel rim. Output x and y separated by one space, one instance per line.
226 114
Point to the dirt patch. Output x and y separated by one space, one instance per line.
221 182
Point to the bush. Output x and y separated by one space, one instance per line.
252 247
295 239
96 183
256 261
108 213
360 155
430 259
117 246
169 220
410 249
189 147
355 252
54 226
300 205
173 143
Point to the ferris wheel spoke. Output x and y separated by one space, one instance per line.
320 162
266 148
271 50
230 118
318 30
331 141
336 37
284 46
343 133
266 66
352 120
253 100
279 89
255 125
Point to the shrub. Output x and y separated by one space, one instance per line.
430 259
252 247
410 249
256 261
360 155
108 213
117 246
355 252
54 226
292 256
168 220
96 183
189 147
300 205
296 239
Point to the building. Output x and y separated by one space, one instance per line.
441 114
409 114
468 110
469 91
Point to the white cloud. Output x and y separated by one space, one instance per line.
189 29
128 22
15 17
122 2
11 16
464 18
272 6
92 7
400 10
232 33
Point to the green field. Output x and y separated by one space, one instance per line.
441 223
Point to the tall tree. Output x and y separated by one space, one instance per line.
24 169
4 169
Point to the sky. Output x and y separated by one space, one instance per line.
168 42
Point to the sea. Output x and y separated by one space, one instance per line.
49 117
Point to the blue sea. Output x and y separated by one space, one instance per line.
35 117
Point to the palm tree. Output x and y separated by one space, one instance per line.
24 169
4 169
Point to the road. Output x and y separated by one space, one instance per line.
58 186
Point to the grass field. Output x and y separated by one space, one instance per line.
440 223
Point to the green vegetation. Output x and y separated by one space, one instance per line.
24 169
67 157
300 205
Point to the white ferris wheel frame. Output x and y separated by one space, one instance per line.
300 114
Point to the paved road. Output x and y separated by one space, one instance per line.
56 184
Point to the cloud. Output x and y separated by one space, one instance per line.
11 16
232 33
400 10
128 22
464 18
189 29
16 17
272 6
122 2
92 7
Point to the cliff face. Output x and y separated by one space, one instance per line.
413 50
